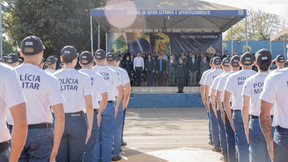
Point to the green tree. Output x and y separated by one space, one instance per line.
260 26
8 48
56 22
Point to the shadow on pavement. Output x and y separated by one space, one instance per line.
130 155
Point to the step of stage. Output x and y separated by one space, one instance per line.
164 90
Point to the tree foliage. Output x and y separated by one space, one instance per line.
8 48
260 26
56 22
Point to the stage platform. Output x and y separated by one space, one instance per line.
160 97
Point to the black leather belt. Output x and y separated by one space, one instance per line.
256 117
110 101
79 113
4 146
236 110
35 126
96 110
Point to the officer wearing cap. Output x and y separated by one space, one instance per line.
12 60
208 84
230 136
180 73
226 68
42 92
203 97
234 86
112 60
51 62
100 93
125 104
112 81
76 88
280 61
250 106
41 65
275 93
3 60
12 101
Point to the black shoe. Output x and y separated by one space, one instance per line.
123 143
210 143
116 158
178 92
121 150
224 158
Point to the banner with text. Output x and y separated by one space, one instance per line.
208 43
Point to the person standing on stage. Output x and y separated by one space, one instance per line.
138 66
149 66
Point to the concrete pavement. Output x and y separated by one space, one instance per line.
167 135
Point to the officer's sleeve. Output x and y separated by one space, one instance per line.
87 87
102 88
125 77
215 83
55 96
247 89
269 92
206 80
13 94
220 85
228 85
116 80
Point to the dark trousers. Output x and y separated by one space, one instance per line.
149 77
138 75
72 145
123 123
171 78
180 83
160 78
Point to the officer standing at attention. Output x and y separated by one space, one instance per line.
275 92
105 134
116 144
51 62
100 93
12 100
42 92
226 68
76 88
12 60
280 61
203 98
230 136
180 74
208 89
251 92
234 86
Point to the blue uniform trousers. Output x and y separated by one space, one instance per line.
215 129
222 133
116 145
230 138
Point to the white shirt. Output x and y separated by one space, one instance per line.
204 76
52 71
216 81
11 95
234 85
252 88
111 78
41 90
275 92
138 62
210 78
165 57
98 86
123 75
74 86
221 84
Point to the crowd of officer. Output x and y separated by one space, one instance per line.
246 108
63 115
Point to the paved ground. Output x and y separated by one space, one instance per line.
167 135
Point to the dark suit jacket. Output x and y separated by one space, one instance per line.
158 65
193 67
149 65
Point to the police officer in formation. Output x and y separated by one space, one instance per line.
100 94
252 108
51 63
180 74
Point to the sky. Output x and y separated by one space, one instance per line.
279 7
